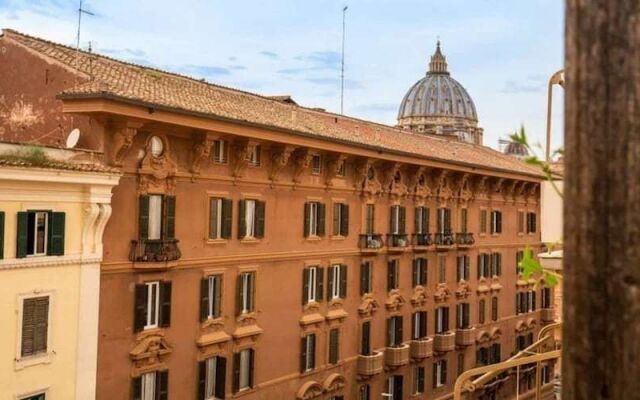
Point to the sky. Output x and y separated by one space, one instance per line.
503 52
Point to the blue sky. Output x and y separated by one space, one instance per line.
502 51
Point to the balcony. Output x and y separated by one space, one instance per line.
371 243
422 241
465 337
547 315
444 241
154 251
444 342
397 242
421 348
371 364
397 356
464 239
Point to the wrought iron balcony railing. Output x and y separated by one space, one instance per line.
372 241
444 239
465 239
397 240
154 250
422 239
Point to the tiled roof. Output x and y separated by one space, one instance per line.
136 83
52 164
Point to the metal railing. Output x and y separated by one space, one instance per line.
397 240
422 239
444 239
371 241
465 239
154 250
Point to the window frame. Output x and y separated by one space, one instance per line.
43 356
220 151
496 222
316 169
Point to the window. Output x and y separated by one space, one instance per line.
337 281
371 211
421 220
366 278
210 297
488 355
220 151
546 374
334 346
481 311
463 220
496 264
220 218
460 363
531 222
418 380
365 338
394 388
251 219
463 268
243 370
444 220
152 305
545 296
525 302
314 213
419 325
442 269
519 257
442 320
520 221
253 155
364 392
496 221
151 386
439 373
397 220
393 274
35 326
40 233
419 272
308 353
483 265
394 331
494 308
462 313
157 215
531 301
495 353
316 164
211 378
245 293
483 221
482 356
39 396
340 219
312 281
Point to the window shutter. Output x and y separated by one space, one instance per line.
425 219
336 218
140 307
467 272
169 217
533 301
202 379
28 327
239 294
444 372
435 375
483 221
389 331
463 220
403 220
371 218
217 295
162 385
416 220
23 234
366 334
303 353
330 281
252 291
242 223
364 270
204 299
305 286
227 218
399 330
319 284
481 310
313 351
260 218
307 223
446 319
344 224
252 355
343 281
165 304
143 217
236 372
213 218
499 222
321 219
414 277
423 323
136 388
390 276
499 264
334 338
392 218
1 235
221 377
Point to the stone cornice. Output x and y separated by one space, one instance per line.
50 261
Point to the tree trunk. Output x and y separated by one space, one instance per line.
601 353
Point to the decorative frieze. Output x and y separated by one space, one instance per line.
149 352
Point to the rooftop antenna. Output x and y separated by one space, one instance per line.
80 12
344 13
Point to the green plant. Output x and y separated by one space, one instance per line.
32 155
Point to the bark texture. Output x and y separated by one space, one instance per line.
601 355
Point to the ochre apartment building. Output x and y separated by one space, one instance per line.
263 250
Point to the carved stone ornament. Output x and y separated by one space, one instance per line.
496 333
398 189
213 339
301 160
444 192
360 167
149 352
418 182
387 171
483 286
497 188
394 301
464 192
531 193
336 313
122 139
523 191
333 383
463 290
309 390
333 164
495 284
368 306
442 293
201 150
239 160
483 336
278 159
482 188
157 173
247 329
511 191
419 296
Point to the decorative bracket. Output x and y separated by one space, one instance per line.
279 158
201 150
123 136
301 161
239 157
334 162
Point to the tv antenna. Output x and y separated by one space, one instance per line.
80 12
344 13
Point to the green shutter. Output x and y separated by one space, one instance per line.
343 281
1 235
236 373
321 219
55 244
22 243
204 299
143 217
403 220
165 304
242 223
303 353
213 219
305 227
162 385
425 220
260 217
320 284
330 286
140 307
227 214
239 294
169 217
305 286
336 218
202 380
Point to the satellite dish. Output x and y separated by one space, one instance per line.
72 139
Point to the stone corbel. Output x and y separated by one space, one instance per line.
360 168
368 306
122 139
532 189
394 301
301 160
442 293
88 239
419 296
463 192
103 218
239 157
463 290
334 162
443 190
510 191
278 159
497 187
388 172
481 188
201 150
149 352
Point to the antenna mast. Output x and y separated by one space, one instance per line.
80 12
344 13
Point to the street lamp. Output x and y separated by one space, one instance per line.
556 79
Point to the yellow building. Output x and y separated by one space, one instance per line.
54 205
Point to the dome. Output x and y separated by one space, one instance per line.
437 95
517 150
